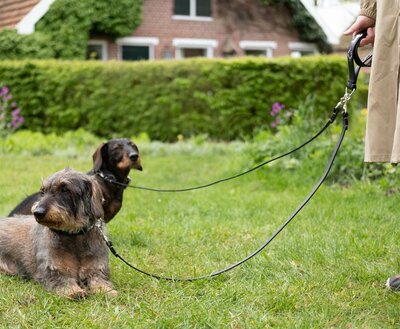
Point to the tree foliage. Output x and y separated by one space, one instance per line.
65 29
308 28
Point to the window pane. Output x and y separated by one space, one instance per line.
203 8
253 52
94 52
193 52
135 53
182 7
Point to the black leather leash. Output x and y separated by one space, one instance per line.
341 107
354 64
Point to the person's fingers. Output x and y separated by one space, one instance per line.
369 39
361 23
352 29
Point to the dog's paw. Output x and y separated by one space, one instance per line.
72 292
111 293
102 287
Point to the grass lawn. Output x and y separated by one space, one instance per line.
327 269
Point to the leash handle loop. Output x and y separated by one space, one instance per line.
354 58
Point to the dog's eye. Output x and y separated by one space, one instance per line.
41 191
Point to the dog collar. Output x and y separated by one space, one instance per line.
111 179
80 232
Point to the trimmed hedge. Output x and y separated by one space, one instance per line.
224 99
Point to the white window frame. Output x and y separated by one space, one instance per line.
138 41
104 47
182 43
266 46
297 47
28 22
193 15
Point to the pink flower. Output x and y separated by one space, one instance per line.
4 91
276 108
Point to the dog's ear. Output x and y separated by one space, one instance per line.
96 200
98 156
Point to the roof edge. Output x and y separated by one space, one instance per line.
28 22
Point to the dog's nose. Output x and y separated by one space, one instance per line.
39 212
133 156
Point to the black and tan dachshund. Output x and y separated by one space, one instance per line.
112 163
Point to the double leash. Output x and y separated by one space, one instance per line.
354 64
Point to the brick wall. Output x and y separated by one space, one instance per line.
230 24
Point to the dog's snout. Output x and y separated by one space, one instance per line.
39 212
133 156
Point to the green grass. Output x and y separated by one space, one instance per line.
327 269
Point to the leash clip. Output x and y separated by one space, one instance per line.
345 99
100 226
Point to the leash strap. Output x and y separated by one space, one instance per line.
328 167
328 123
354 65
340 107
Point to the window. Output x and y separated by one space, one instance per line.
192 9
194 52
255 52
96 50
258 48
135 53
299 49
137 48
185 48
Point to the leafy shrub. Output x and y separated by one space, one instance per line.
72 143
223 99
65 29
348 166
17 46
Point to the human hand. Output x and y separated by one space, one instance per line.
362 23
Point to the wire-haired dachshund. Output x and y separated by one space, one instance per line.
61 246
112 163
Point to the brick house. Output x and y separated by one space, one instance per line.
183 28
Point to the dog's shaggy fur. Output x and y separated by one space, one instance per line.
60 246
112 160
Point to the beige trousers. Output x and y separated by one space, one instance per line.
382 142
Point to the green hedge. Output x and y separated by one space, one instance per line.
224 99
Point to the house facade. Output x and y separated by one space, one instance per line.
208 28
178 29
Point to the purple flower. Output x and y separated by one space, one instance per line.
7 97
4 91
276 122
16 122
17 118
10 114
16 112
276 108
